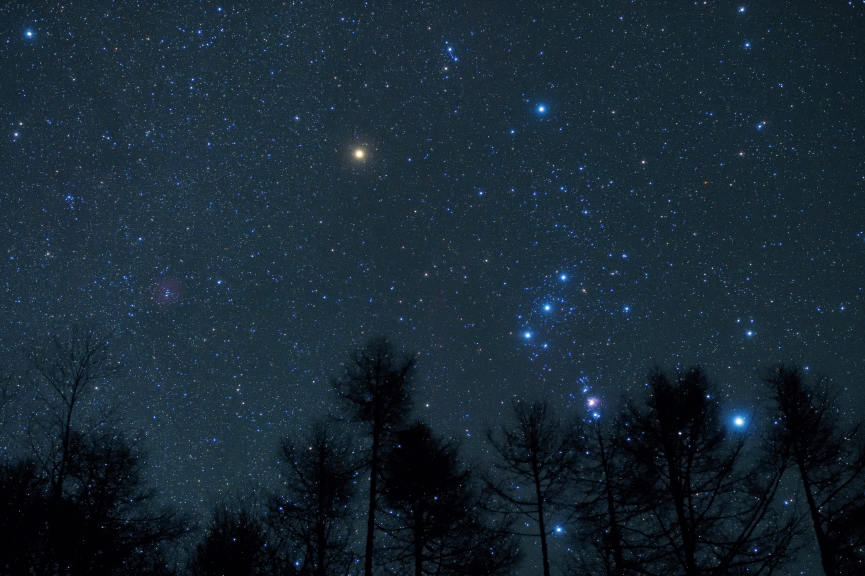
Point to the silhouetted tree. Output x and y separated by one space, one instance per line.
61 375
312 520
234 545
710 506
605 506
376 387
9 388
117 523
89 511
22 517
829 460
434 522
537 452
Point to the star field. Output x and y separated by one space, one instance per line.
532 197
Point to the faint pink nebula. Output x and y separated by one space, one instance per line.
166 291
593 402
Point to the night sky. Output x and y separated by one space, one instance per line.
536 198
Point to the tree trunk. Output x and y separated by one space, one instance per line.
321 545
688 544
618 569
418 544
541 525
370 521
827 556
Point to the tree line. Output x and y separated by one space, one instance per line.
667 485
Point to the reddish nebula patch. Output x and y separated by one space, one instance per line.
166 291
593 402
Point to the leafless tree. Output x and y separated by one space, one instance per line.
532 460
601 535
376 387
434 522
829 460
312 518
710 506
234 544
82 481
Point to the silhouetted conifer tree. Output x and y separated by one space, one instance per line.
312 520
433 518
829 461
376 387
533 459
709 506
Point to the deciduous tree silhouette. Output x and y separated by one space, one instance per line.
710 506
82 482
829 460
376 387
234 544
312 519
22 517
605 507
433 520
62 374
536 453
9 388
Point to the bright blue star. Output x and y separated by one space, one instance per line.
741 9
747 45
547 307
527 335
542 109
739 421
627 308
29 33
563 277
559 529
749 333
